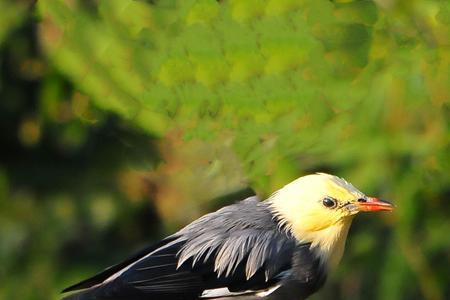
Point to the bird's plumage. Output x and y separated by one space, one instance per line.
248 250
240 247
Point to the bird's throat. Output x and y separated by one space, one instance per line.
328 243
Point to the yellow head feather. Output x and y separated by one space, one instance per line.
299 206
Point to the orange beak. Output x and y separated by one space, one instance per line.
374 204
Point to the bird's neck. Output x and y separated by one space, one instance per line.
326 233
328 243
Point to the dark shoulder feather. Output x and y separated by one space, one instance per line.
241 243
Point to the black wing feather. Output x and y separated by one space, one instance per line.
240 247
108 272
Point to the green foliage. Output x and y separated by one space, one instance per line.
257 68
281 88
12 15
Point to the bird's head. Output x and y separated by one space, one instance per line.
319 209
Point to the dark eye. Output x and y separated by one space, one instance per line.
329 202
362 200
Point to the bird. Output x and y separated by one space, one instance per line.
282 248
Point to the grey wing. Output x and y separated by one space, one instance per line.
243 238
236 250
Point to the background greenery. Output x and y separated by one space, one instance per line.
122 120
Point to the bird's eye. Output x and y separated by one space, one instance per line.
329 202
362 200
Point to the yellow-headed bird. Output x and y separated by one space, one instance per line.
280 248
